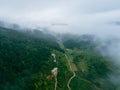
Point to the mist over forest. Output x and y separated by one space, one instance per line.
59 45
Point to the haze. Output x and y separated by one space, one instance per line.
98 17
83 16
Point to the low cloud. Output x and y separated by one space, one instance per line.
97 17
83 17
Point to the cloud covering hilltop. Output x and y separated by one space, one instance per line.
83 16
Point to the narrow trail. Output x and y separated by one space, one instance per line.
55 83
73 76
55 88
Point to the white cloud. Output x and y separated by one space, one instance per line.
83 16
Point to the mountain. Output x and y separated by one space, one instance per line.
36 60
26 62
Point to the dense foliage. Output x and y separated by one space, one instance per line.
25 60
93 69
83 42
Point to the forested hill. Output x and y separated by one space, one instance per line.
93 69
24 57
26 62
28 36
82 42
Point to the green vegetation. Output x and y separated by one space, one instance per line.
83 42
63 71
81 84
93 69
26 62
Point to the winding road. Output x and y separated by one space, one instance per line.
72 70
74 74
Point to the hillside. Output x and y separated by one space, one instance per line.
93 69
26 62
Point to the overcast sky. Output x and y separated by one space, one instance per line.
83 16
